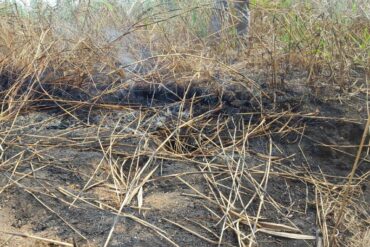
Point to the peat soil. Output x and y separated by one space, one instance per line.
51 150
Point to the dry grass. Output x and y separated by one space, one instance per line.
44 55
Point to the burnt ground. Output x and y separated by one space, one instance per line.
51 150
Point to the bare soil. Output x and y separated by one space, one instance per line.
50 154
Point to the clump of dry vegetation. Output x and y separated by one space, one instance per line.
258 139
